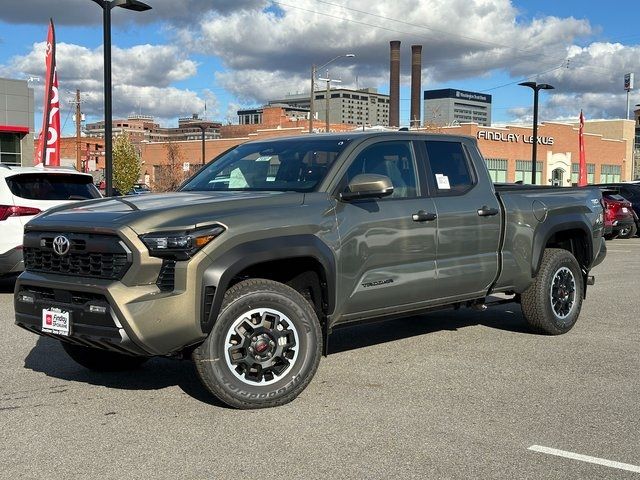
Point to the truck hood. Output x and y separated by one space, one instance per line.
167 211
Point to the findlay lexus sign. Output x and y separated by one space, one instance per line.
512 137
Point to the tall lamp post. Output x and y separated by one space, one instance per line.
536 87
314 70
203 128
107 6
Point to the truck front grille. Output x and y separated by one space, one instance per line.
89 255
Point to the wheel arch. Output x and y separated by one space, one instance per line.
282 259
569 235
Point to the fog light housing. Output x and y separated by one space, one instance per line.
26 298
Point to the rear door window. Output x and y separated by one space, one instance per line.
450 169
52 186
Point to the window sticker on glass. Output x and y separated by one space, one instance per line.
443 182
264 158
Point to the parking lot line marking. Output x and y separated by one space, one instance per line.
585 458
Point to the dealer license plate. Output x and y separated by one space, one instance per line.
55 320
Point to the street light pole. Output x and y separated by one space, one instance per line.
536 87
314 70
106 6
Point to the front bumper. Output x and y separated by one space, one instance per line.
140 320
11 261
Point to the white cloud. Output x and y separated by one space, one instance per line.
142 79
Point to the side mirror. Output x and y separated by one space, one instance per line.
367 185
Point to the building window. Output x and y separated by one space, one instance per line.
610 173
523 171
591 172
497 169
10 148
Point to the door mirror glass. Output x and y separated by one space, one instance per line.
367 185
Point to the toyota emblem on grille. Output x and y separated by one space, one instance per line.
61 245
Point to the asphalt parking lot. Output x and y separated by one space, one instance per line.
448 395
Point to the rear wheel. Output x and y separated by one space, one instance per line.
553 301
264 348
628 231
102 360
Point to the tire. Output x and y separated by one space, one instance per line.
267 322
553 301
628 231
102 360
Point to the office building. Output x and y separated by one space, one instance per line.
352 107
448 106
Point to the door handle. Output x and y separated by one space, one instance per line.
485 211
422 216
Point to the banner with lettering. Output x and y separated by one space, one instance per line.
48 151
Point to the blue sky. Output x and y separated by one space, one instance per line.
173 59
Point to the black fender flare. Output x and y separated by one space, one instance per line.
546 231
220 273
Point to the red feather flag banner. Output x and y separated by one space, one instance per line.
582 176
48 151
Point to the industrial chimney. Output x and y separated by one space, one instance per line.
416 85
394 84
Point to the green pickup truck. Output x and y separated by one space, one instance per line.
248 268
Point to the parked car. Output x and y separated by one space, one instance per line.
27 191
139 189
251 264
630 191
620 221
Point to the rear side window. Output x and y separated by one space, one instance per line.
449 167
52 186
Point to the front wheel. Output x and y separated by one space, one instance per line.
102 360
553 301
264 348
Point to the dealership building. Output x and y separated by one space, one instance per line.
16 122
609 148
449 106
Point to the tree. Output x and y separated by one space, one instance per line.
168 177
126 164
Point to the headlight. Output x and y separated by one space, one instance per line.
179 245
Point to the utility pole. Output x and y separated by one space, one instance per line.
78 123
312 98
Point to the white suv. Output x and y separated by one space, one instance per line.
25 192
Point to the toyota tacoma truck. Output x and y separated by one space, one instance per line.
248 268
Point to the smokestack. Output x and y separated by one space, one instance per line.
394 84
416 84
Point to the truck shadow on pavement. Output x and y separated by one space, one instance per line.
8 283
48 357
505 317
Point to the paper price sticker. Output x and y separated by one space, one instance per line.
443 182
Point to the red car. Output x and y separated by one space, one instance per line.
620 221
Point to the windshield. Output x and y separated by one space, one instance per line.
282 165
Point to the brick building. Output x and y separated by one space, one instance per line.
143 128
276 116
507 150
